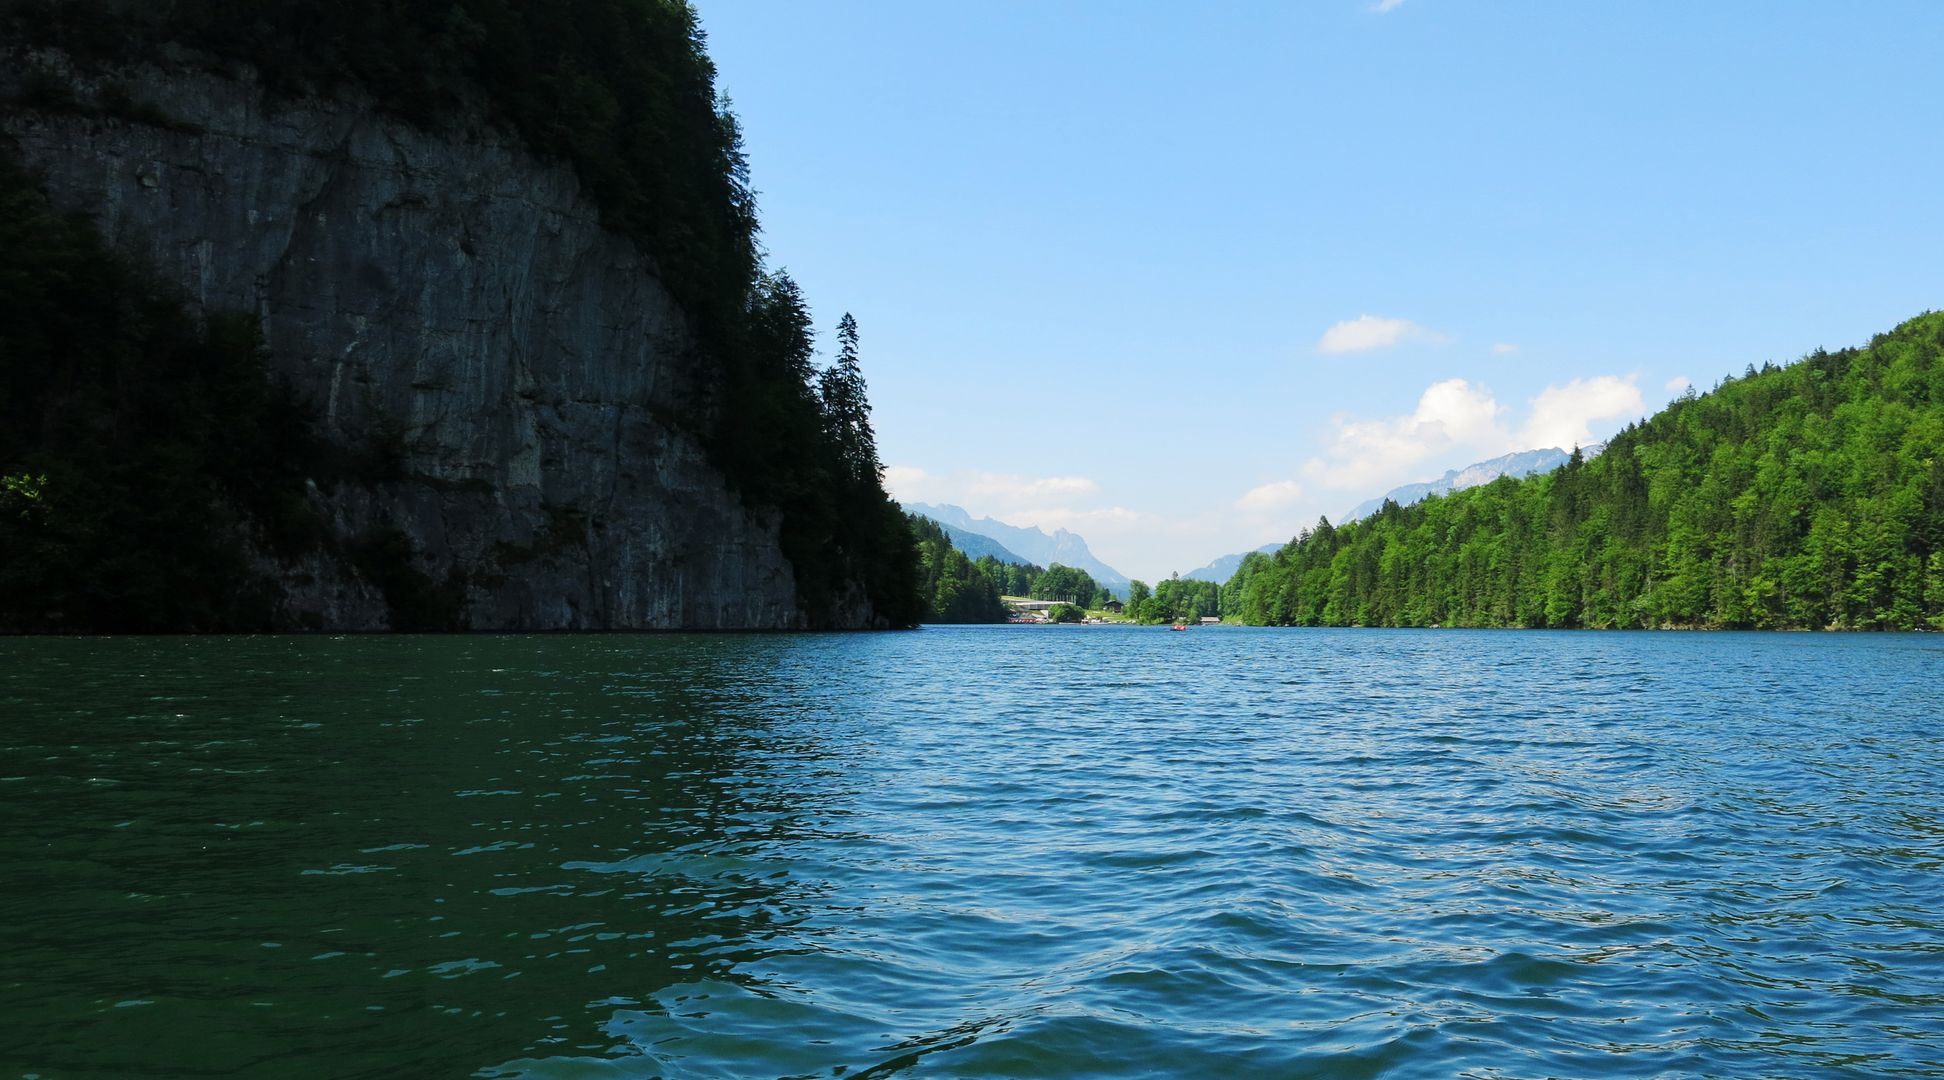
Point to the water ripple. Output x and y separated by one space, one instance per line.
977 852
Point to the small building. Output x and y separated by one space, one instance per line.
1114 606
1207 619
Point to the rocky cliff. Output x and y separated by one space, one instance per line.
452 301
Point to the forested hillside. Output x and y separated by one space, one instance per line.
954 588
1807 496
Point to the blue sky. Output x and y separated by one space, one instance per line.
1181 278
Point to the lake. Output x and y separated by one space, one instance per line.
981 851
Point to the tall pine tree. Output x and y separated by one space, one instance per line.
847 409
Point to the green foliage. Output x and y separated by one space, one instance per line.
1065 613
1174 600
956 589
1069 584
22 496
1011 579
1807 496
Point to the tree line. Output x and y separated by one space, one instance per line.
959 589
1804 496
1176 600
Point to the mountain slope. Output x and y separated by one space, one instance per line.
955 589
1224 568
975 546
1520 464
1036 546
1516 465
1808 496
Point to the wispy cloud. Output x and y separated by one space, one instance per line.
1088 522
1367 453
905 481
1271 497
1504 347
1367 332
1385 7
1023 489
994 492
1678 383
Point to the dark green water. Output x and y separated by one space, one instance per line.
1008 851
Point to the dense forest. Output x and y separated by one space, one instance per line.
204 447
1176 600
1807 496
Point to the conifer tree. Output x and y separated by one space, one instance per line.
847 409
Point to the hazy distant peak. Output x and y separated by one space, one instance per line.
1224 568
1515 465
1032 544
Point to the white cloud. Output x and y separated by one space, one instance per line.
1678 383
1453 422
1562 416
905 482
1079 521
1457 422
1449 414
1367 332
1384 7
1463 412
1504 347
1270 497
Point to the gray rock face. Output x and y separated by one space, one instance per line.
448 292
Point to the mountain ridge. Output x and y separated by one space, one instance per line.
1038 548
1220 570
1518 464
975 546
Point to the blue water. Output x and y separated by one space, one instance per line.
1004 851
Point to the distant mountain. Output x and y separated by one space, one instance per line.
1224 568
975 546
1038 548
1522 464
